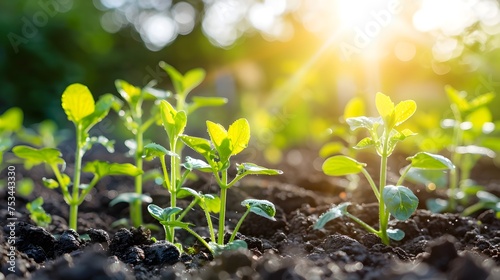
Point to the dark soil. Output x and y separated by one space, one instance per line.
436 246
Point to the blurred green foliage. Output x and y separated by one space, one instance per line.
290 89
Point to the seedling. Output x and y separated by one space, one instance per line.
217 151
79 106
134 120
486 201
396 200
37 213
471 126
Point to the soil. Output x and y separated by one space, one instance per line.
436 246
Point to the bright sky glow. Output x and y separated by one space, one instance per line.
366 21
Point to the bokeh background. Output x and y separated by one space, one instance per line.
289 66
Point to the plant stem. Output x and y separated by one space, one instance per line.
210 224
185 211
372 184
136 206
222 213
237 227
173 186
403 176
73 207
64 187
363 224
166 180
199 238
383 218
88 189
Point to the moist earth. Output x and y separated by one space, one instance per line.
435 246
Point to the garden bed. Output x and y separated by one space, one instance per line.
436 246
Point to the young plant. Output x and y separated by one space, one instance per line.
137 123
471 129
80 108
37 213
396 200
217 152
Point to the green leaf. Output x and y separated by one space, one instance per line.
153 150
50 183
479 117
37 156
231 246
217 133
175 76
400 201
25 187
404 110
176 224
254 169
395 234
77 102
342 165
102 107
436 205
192 79
364 143
170 121
354 108
184 192
456 98
37 213
263 208
396 136
239 135
130 198
333 213
211 203
103 168
200 145
202 101
428 176
11 120
385 108
162 214
363 122
424 160
487 197
481 100
196 164
130 93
